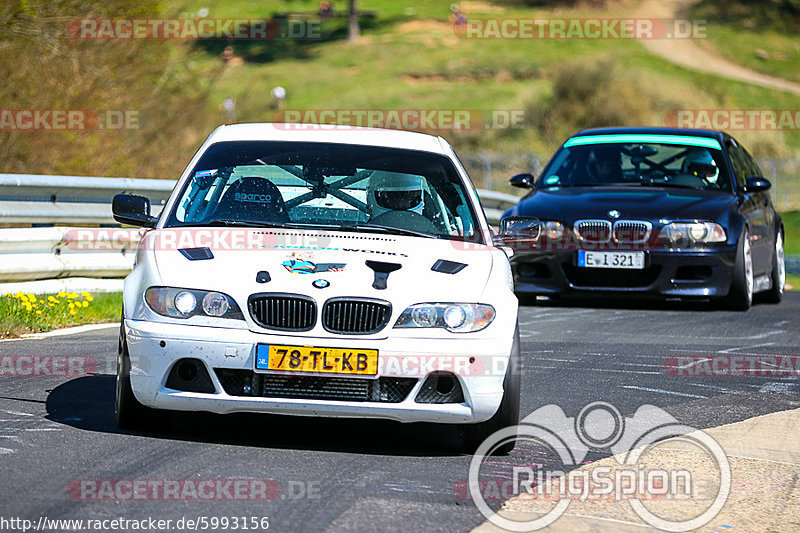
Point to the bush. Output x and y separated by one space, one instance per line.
590 95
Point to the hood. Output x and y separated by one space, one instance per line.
294 260
641 203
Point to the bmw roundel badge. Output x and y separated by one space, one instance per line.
321 283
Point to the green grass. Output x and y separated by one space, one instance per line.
408 58
793 280
757 35
743 46
791 227
44 314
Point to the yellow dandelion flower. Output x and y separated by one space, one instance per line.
90 298
32 298
71 305
18 295
38 312
72 295
51 299
61 294
49 305
85 303
73 312
85 294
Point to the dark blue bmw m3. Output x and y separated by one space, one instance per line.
671 213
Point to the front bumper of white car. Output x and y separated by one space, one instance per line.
416 380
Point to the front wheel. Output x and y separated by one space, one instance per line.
778 275
507 415
128 411
740 297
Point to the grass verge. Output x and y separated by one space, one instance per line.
30 313
791 228
792 280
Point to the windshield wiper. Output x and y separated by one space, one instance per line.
387 229
246 223
668 184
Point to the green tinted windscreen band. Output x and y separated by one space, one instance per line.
703 142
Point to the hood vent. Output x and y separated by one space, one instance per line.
196 254
448 267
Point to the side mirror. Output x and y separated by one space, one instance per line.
132 209
756 184
524 181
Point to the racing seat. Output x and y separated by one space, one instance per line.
252 199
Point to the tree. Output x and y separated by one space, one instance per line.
353 30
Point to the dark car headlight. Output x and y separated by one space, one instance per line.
532 228
184 303
693 233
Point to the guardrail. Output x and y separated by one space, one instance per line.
31 255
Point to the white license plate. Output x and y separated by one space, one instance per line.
632 260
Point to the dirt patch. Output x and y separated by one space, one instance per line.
422 26
480 7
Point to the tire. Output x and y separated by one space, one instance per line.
777 276
740 297
507 415
128 411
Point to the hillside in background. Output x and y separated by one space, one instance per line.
408 57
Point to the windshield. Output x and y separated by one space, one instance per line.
653 164
326 185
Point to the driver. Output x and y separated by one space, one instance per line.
695 158
389 191
604 165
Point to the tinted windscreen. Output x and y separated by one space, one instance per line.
325 185
637 164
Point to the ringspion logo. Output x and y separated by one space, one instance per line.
551 467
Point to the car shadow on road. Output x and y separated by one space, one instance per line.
87 403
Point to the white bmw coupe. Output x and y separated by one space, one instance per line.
320 271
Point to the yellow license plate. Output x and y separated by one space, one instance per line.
315 359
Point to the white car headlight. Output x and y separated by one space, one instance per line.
455 317
693 232
182 303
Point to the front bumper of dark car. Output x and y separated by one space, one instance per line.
667 273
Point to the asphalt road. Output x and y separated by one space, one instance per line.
339 475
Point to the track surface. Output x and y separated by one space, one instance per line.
366 475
